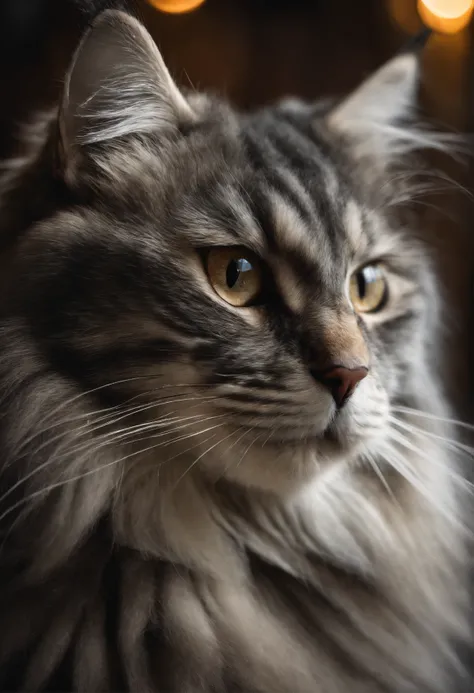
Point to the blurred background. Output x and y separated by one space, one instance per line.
255 51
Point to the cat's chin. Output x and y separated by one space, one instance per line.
283 459
283 467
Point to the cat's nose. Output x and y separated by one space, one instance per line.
341 381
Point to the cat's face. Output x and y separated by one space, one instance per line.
233 282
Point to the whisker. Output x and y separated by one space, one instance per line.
219 442
236 442
242 457
434 417
112 422
135 408
381 477
94 447
457 478
145 472
450 443
45 491
162 434
68 402
87 429
397 461
399 464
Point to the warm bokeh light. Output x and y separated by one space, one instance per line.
176 6
446 16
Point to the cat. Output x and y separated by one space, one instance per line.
223 433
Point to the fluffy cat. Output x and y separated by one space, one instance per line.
222 431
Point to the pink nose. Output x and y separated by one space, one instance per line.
341 381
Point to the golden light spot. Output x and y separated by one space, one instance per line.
446 16
176 6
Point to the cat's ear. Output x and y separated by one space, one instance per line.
373 119
118 85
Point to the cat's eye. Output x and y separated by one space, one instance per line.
368 289
235 275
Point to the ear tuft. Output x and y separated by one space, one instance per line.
118 85
371 116
377 120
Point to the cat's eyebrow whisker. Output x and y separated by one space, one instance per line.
415 192
423 183
421 203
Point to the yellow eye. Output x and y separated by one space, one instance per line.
235 275
368 289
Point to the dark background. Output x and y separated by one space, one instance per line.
258 50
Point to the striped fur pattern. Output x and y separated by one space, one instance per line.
182 508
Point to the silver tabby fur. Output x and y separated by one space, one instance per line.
182 509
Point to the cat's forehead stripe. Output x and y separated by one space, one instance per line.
289 284
276 175
221 216
300 152
247 229
306 200
289 229
354 226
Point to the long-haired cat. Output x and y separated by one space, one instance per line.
223 437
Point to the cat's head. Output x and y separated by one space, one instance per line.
236 286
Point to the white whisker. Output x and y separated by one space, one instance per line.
409 445
123 413
93 447
393 457
426 415
449 443
376 468
219 442
45 491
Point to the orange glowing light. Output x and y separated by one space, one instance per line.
176 6
446 16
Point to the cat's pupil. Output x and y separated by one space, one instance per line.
234 269
232 273
361 284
